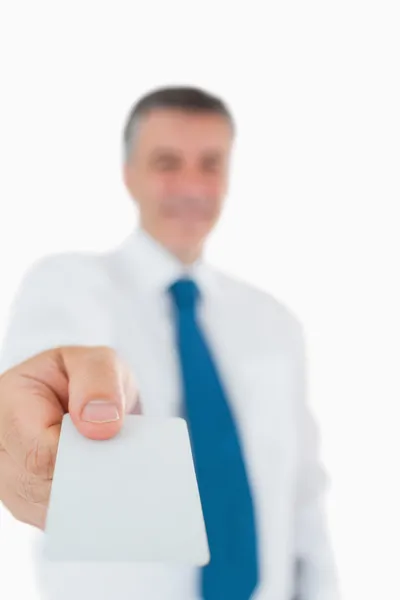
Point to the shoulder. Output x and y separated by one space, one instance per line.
64 276
68 267
260 306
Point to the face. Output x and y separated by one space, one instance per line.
178 174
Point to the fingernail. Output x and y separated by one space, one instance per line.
100 411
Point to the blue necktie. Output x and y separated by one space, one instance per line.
232 573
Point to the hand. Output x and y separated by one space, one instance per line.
92 384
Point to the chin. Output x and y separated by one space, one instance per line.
187 234
191 228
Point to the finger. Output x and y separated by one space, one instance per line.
24 495
101 391
26 486
35 395
31 414
133 403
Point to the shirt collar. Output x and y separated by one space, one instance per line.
154 268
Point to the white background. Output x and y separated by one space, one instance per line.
312 215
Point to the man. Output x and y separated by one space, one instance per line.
228 357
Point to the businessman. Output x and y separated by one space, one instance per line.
150 327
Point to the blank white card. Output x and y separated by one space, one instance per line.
131 498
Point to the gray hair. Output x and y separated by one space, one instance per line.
190 99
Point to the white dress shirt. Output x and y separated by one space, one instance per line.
119 299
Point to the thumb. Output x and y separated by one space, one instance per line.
101 390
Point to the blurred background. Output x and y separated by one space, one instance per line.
312 215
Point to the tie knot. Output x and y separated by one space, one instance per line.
185 293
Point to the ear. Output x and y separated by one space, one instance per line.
125 173
129 176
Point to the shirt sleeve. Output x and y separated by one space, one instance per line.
317 576
58 303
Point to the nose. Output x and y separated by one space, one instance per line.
191 182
